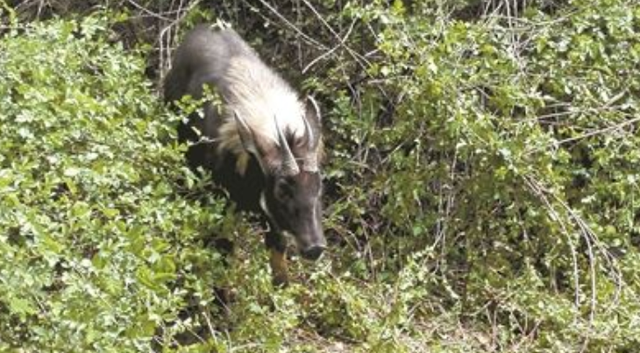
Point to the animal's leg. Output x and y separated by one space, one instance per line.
277 246
223 295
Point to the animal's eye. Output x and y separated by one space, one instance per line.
281 189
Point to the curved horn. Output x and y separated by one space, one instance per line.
316 107
308 133
289 165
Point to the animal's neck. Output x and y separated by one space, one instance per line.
260 96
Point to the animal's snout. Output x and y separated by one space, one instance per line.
313 252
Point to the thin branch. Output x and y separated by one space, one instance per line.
356 56
165 35
598 132
288 23
332 50
538 191
149 12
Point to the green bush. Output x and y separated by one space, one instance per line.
98 250
511 159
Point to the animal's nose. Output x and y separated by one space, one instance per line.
313 252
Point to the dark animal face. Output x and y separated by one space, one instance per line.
292 197
293 204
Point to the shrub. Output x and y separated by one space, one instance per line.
98 248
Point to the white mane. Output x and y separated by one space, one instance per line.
259 96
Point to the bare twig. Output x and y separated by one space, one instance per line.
536 188
591 241
599 131
332 50
166 39
356 56
288 23
149 12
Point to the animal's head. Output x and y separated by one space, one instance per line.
293 192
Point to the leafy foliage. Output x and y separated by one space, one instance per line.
94 237
482 186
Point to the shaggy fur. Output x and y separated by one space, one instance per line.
260 142
248 87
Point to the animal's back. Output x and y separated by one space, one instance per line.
204 57
210 57
249 88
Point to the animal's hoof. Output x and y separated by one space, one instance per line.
313 253
281 281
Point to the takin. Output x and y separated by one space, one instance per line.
260 141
